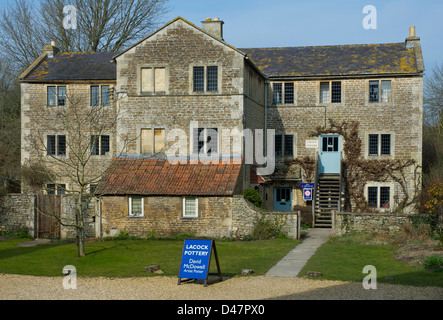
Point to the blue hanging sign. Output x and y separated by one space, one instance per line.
307 185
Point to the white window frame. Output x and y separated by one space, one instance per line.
184 208
330 92
130 214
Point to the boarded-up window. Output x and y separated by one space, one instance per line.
150 143
159 140
146 141
147 84
160 79
153 79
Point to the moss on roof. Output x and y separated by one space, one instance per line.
341 60
75 66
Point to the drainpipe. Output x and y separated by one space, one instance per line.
99 217
266 120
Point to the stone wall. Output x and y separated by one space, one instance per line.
17 212
218 217
245 215
384 223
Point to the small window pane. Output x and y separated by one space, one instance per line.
277 91
136 207
386 90
146 141
160 79
198 140
190 207
289 93
289 145
61 189
199 79
373 144
324 92
95 145
278 145
95 95
385 144
50 188
373 91
325 144
50 145
384 197
52 96
159 140
212 79
211 140
61 145
105 95
146 80
104 148
372 197
61 95
336 92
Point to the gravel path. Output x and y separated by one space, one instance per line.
18 287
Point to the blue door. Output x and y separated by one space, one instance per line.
283 199
329 155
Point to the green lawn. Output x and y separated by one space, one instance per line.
345 261
128 258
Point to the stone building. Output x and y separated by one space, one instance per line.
188 117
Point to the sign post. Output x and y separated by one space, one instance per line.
196 259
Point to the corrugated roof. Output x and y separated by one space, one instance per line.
340 60
159 177
68 66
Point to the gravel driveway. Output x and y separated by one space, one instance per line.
18 287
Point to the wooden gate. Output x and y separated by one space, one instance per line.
48 208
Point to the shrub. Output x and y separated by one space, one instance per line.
265 229
435 191
433 262
253 197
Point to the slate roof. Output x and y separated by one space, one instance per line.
69 66
158 177
340 60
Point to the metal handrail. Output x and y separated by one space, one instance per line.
314 193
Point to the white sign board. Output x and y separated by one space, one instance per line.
312 144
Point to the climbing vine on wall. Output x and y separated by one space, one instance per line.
358 171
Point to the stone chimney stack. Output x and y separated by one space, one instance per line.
214 27
51 50
412 40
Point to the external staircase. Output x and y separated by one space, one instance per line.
327 198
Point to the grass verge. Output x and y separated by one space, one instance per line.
343 258
128 258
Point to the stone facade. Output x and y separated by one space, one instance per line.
218 217
152 87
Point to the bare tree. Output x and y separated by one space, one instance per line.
433 125
105 25
78 160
